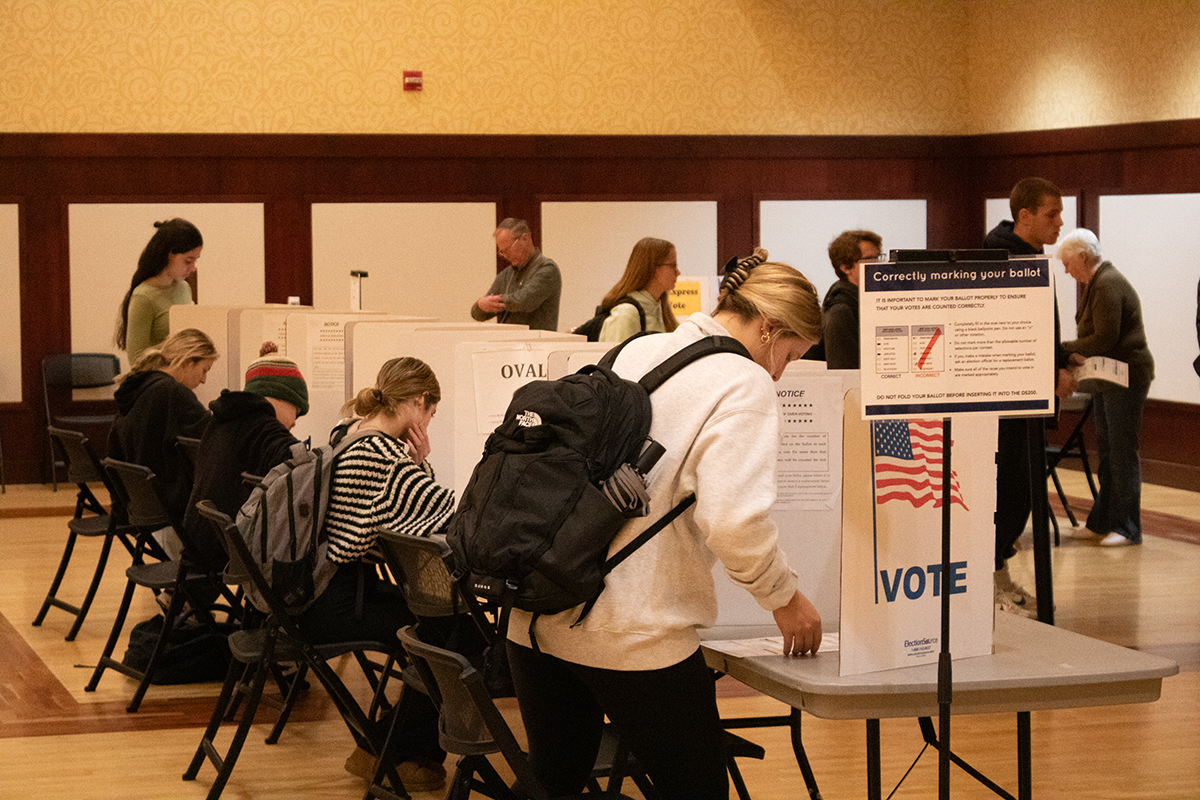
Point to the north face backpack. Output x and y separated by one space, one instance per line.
534 524
283 523
591 329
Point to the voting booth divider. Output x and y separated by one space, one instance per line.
372 343
850 548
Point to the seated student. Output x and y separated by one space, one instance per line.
156 404
249 432
649 277
382 480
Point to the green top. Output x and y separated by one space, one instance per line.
623 321
149 315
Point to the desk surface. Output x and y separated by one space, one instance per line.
1034 666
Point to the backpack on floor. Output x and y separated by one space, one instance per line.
559 478
591 329
283 523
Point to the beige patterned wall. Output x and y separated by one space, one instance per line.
600 67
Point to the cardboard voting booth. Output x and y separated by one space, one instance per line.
371 343
891 576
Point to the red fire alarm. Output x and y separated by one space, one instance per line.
412 81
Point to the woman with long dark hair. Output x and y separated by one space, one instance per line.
159 282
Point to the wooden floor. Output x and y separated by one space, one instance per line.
58 741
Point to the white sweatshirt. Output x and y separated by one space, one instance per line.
718 421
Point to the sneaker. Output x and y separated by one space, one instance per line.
1115 539
422 775
361 764
1005 583
1085 535
1015 604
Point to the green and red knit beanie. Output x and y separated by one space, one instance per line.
273 375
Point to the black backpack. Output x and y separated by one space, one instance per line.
534 524
591 328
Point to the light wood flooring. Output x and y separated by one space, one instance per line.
58 741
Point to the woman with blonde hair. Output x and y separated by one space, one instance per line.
156 404
648 279
159 282
636 656
381 479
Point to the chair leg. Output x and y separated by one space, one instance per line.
288 703
97 576
52 594
1062 496
173 609
106 660
207 749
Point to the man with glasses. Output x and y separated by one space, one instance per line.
840 335
528 290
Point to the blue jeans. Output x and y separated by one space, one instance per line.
1118 428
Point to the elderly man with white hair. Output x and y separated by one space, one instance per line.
1109 323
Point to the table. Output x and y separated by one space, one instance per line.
1033 667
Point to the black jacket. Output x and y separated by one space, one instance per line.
153 410
244 436
840 325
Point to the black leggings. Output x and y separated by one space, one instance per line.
668 716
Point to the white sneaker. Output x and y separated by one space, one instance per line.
1115 539
1005 583
1015 604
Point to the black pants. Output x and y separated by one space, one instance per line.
668 716
336 617
1013 485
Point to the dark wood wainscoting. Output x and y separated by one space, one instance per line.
44 173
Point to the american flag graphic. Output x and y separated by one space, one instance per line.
908 463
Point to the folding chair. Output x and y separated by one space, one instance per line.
1073 447
90 520
182 578
315 657
61 374
256 651
471 726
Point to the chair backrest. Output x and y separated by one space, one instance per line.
243 569
142 503
62 372
468 721
83 466
80 370
83 469
420 564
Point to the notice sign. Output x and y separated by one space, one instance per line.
958 337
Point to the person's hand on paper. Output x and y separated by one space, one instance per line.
1067 384
800 625
491 303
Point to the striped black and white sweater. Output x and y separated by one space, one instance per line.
376 485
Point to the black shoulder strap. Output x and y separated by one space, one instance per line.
635 304
699 349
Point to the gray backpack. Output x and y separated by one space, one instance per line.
283 523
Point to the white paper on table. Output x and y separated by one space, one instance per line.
765 646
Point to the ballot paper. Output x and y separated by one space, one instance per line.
765 646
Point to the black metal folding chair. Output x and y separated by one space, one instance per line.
315 657
61 374
91 520
471 727
199 586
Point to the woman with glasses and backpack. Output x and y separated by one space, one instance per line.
636 656
648 279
